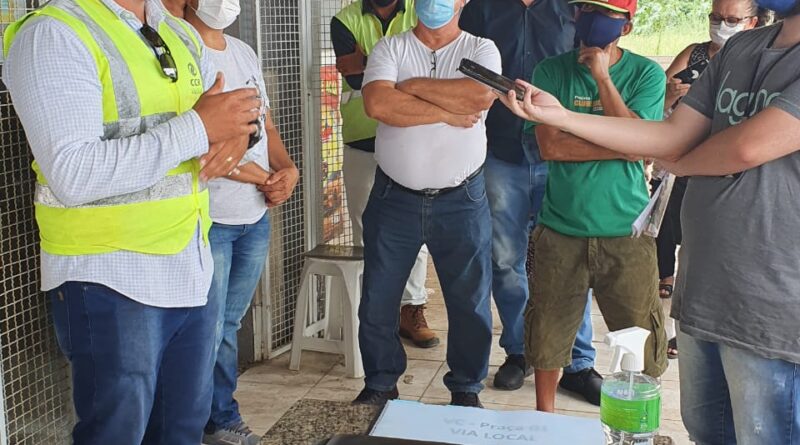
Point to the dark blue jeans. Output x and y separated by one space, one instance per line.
457 228
139 373
239 256
515 195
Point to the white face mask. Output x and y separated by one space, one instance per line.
722 32
218 14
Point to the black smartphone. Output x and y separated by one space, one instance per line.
692 72
489 78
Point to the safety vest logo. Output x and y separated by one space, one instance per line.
196 82
735 104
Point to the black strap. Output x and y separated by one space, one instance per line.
434 192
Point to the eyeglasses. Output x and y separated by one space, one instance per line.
432 74
162 52
716 19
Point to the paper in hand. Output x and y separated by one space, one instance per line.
649 221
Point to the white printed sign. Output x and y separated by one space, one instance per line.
472 426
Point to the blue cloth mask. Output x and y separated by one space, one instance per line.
779 6
435 13
596 29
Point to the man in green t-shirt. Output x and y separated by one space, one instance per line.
593 196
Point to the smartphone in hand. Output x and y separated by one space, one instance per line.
489 78
692 72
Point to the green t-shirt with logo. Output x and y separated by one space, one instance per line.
598 198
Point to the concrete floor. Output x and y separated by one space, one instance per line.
268 390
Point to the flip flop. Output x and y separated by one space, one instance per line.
665 291
672 348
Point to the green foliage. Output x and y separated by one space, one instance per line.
665 27
656 16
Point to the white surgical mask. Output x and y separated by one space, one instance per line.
722 32
218 14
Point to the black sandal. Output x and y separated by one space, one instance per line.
665 291
672 348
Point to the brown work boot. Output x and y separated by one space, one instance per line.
414 327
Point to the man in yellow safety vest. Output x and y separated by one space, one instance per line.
127 123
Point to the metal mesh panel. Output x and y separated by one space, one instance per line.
326 91
279 22
287 47
34 374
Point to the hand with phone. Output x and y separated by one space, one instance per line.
692 72
676 90
679 85
495 81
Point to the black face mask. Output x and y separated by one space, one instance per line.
382 3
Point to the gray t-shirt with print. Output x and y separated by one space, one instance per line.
739 274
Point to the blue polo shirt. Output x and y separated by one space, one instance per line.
525 35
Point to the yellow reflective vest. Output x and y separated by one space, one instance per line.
368 31
161 220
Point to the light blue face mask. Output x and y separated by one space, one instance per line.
435 13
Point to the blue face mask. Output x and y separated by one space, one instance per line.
435 13
596 29
779 6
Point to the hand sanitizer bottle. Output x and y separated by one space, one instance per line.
630 402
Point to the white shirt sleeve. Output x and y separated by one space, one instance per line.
487 54
383 62
60 105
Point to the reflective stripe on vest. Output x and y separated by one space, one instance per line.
136 97
367 30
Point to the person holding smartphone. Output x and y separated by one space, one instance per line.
735 134
727 18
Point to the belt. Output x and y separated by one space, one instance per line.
430 193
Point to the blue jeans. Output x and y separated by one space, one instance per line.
731 395
239 256
139 373
456 227
515 195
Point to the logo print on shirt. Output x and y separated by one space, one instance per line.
735 104
587 102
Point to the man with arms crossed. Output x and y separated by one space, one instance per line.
429 189
355 31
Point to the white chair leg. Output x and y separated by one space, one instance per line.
330 317
300 319
352 353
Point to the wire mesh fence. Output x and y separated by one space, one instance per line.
281 60
35 378
283 39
